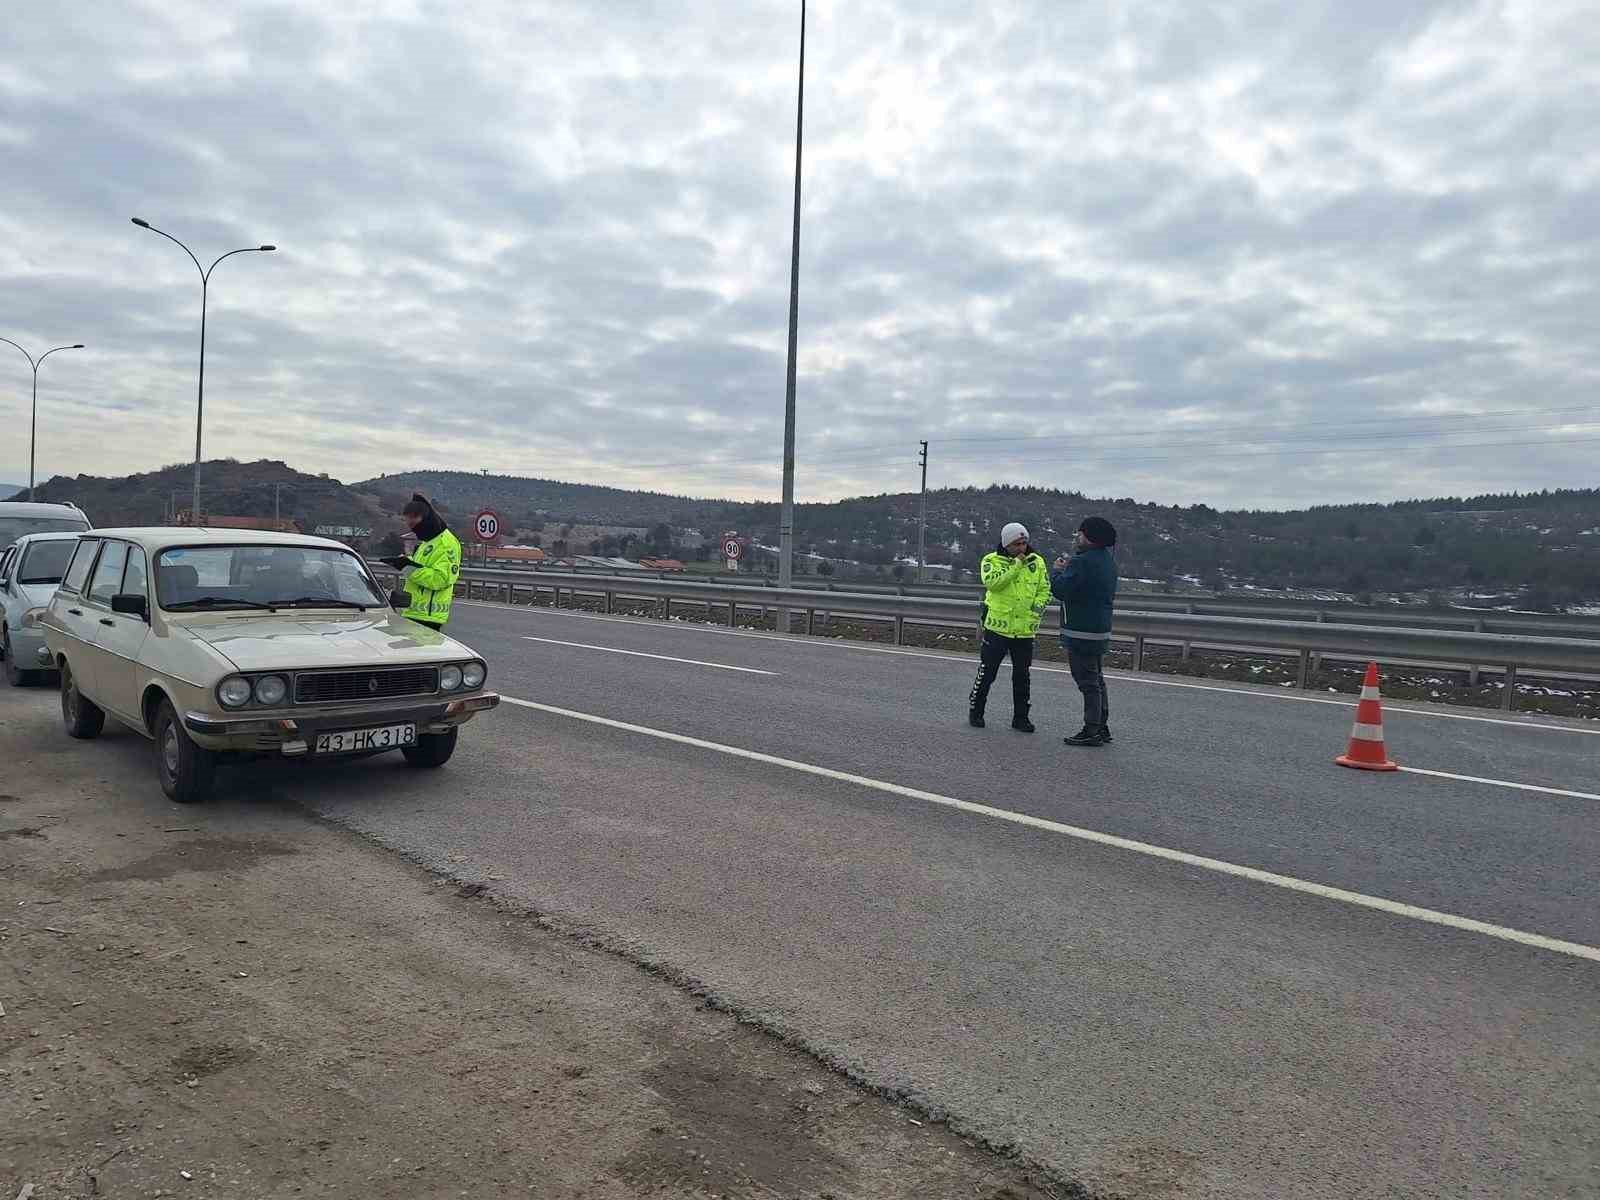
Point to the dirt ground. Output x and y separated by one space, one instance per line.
238 1001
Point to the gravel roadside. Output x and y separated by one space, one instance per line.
235 1000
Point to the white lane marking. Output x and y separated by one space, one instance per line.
1288 882
963 662
693 662
1505 783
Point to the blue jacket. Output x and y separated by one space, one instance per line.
1087 589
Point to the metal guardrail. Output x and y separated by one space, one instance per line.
1307 639
1465 619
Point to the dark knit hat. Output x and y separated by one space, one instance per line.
417 506
1099 531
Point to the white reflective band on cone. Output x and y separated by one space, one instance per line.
1370 693
1367 733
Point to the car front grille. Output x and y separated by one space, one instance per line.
332 687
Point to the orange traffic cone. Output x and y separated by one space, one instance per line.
1366 751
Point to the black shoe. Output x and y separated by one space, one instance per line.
1022 724
975 719
1105 734
1086 737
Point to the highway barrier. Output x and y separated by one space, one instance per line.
1559 656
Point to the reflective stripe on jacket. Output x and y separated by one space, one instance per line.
431 583
1016 591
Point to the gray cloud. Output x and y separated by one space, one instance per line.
1160 250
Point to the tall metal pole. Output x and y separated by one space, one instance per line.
200 397
277 496
33 419
200 392
786 522
922 530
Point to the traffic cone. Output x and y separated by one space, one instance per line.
1366 752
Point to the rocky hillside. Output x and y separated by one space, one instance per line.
229 488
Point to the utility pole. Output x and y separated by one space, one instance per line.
922 531
786 520
277 492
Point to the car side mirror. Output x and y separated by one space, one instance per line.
399 601
131 604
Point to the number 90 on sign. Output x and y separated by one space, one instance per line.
487 526
732 549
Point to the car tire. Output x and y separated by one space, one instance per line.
82 717
431 750
15 675
187 771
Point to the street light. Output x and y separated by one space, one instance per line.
786 513
33 422
200 391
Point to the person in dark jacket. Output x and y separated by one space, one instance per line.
1086 585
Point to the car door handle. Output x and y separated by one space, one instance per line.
76 612
107 621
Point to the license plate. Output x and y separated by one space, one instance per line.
352 741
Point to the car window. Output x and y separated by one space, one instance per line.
133 579
44 562
11 528
254 576
78 572
5 564
108 572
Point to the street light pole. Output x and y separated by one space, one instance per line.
786 520
200 391
33 420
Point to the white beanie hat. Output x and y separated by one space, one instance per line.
1012 532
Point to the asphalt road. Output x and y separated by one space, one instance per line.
1145 1025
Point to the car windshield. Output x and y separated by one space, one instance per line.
45 562
12 528
252 577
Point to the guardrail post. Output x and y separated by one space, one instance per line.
1188 649
899 631
556 599
1474 674
611 602
1509 700
1138 652
1305 670
811 621
666 608
733 612
1316 659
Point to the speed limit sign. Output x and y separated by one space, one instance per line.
733 548
486 525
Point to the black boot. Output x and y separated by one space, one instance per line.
974 718
1085 737
1105 734
1021 724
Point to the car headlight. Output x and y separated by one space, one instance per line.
449 678
473 675
234 691
271 689
31 618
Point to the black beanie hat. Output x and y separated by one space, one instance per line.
1099 531
417 506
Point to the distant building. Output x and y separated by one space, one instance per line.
213 521
517 556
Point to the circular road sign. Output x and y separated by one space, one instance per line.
733 548
486 525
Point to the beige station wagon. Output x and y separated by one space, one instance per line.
218 642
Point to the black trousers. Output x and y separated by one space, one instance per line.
1087 662
433 625
991 654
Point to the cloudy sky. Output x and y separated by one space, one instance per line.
1247 253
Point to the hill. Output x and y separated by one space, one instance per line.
13 491
229 488
1540 547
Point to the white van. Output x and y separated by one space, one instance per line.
20 517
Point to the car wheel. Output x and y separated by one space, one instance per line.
79 714
15 676
186 770
432 749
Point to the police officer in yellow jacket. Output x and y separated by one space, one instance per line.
435 565
1016 591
